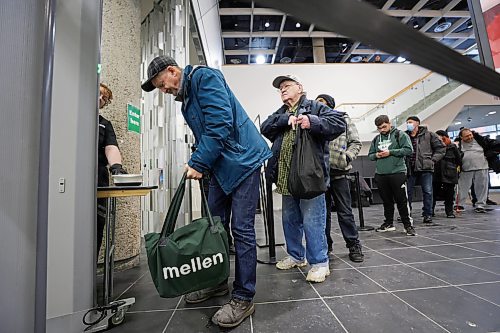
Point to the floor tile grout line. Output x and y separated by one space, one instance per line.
324 297
447 232
435 277
446 286
172 315
251 323
399 298
129 287
457 244
446 243
326 304
452 259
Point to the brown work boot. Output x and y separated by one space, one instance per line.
204 294
233 313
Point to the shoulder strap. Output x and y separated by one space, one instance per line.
397 135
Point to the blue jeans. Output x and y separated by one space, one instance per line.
243 202
301 216
425 179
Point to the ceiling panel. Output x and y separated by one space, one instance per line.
248 29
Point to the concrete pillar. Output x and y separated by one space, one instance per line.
121 61
319 54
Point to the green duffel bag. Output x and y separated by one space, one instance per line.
193 257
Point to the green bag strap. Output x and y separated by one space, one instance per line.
175 206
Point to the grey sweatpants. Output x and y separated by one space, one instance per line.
480 180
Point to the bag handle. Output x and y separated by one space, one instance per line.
175 206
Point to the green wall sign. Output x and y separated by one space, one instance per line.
133 119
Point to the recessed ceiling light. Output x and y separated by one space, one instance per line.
458 123
236 24
285 60
356 58
297 25
235 61
260 59
441 27
416 25
401 59
492 112
267 24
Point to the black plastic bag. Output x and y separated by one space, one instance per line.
306 179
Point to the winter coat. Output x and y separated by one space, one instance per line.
228 144
326 125
445 170
344 149
399 146
429 150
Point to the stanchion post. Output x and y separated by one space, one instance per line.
270 225
362 226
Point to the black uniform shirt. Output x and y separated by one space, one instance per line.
106 137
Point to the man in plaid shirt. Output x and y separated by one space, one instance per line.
343 150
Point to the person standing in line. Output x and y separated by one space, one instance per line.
427 151
301 216
343 150
108 153
389 150
479 153
230 149
446 174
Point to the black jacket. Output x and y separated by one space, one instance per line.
429 150
445 170
326 125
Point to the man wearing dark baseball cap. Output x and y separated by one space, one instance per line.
232 151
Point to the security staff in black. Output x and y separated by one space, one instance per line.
107 154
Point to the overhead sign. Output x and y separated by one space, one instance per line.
133 119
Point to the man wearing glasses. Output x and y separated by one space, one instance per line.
301 216
388 150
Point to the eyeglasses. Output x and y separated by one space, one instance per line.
285 87
105 100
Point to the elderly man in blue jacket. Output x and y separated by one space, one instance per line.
230 148
301 216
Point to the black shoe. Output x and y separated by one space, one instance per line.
433 214
491 202
386 227
204 294
480 210
355 253
410 231
427 219
450 215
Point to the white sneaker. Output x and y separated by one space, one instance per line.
289 262
318 273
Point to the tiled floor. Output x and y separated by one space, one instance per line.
446 279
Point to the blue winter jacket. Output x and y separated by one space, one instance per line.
229 145
326 125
